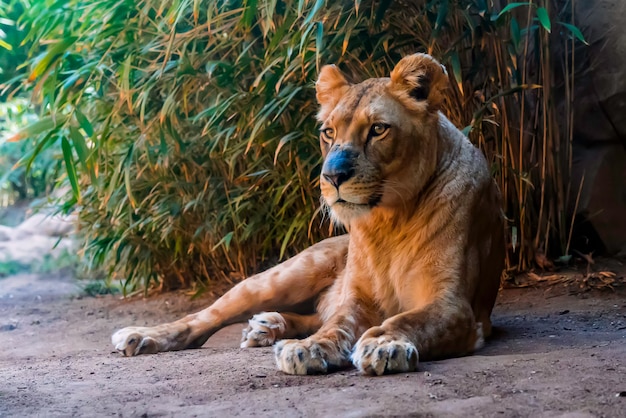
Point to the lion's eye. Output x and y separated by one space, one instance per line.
328 134
378 129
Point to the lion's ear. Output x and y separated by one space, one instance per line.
420 77
331 85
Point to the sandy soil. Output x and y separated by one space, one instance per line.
554 354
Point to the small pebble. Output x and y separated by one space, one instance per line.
8 327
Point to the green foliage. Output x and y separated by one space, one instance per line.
13 52
51 263
63 261
38 170
100 287
26 170
188 128
11 267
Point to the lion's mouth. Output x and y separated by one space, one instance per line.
342 202
348 207
370 203
345 210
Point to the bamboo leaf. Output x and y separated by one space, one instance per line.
442 14
83 122
6 45
50 56
250 13
313 12
83 153
544 18
225 241
346 41
510 7
456 70
125 92
27 160
113 182
127 181
196 9
301 4
319 43
279 35
575 32
286 101
70 168
283 141
79 146
481 5
287 238
516 36
178 246
45 124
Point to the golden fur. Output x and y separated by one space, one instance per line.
418 274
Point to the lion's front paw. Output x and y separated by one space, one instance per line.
309 356
378 353
132 341
263 330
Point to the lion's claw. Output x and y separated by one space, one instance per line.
384 354
308 356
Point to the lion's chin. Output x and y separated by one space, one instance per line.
344 212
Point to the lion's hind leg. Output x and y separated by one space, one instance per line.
265 328
301 278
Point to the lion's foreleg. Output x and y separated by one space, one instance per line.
297 280
441 328
347 314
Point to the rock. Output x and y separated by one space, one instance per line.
603 195
6 233
600 79
36 237
48 225
33 248
599 123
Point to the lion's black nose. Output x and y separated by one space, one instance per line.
339 166
337 179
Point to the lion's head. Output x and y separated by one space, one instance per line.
378 137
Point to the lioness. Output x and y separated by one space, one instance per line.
418 273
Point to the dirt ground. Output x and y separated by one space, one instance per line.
556 353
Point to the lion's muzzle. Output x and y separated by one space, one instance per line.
339 166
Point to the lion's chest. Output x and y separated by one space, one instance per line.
393 269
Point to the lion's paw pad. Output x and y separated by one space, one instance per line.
383 355
263 330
